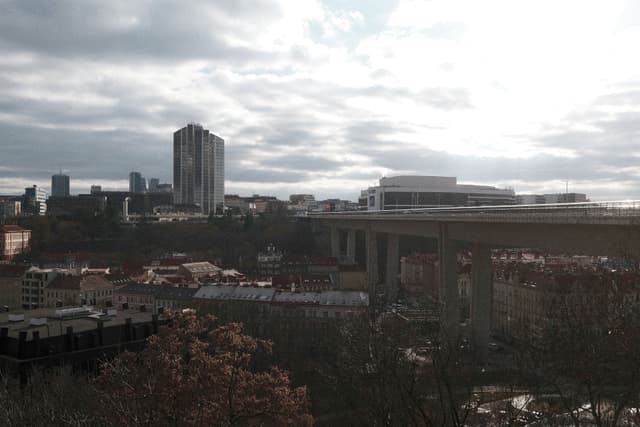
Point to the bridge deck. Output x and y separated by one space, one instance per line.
625 212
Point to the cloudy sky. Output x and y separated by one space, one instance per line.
325 97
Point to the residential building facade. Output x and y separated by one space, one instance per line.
14 240
34 282
86 289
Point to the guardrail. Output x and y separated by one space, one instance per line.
601 210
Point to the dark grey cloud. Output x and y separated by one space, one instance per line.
252 175
38 153
163 29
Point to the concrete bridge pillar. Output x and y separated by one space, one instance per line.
335 242
372 262
449 294
351 246
481 296
393 262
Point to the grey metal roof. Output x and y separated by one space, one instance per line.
158 291
245 293
253 293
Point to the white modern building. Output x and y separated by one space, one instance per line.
35 201
198 168
411 192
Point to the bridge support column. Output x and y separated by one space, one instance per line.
372 262
351 246
393 261
449 294
335 242
481 296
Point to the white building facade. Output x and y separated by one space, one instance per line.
412 192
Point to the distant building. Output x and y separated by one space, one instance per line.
198 168
164 188
239 303
200 271
34 281
335 205
530 199
533 199
68 289
14 240
75 205
96 189
71 335
154 298
409 192
137 183
35 201
138 203
269 263
60 185
10 208
11 285
156 187
565 198
153 185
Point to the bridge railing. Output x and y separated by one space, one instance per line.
621 208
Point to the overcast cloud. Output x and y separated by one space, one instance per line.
324 97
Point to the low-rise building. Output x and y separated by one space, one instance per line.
11 285
69 206
200 271
14 240
34 282
67 289
70 335
239 301
154 298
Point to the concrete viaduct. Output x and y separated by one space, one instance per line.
611 228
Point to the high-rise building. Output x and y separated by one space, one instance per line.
60 185
35 201
137 184
96 189
198 168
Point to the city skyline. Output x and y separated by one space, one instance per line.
325 96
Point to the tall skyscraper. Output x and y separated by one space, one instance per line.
198 168
60 185
137 184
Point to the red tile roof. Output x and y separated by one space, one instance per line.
12 228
